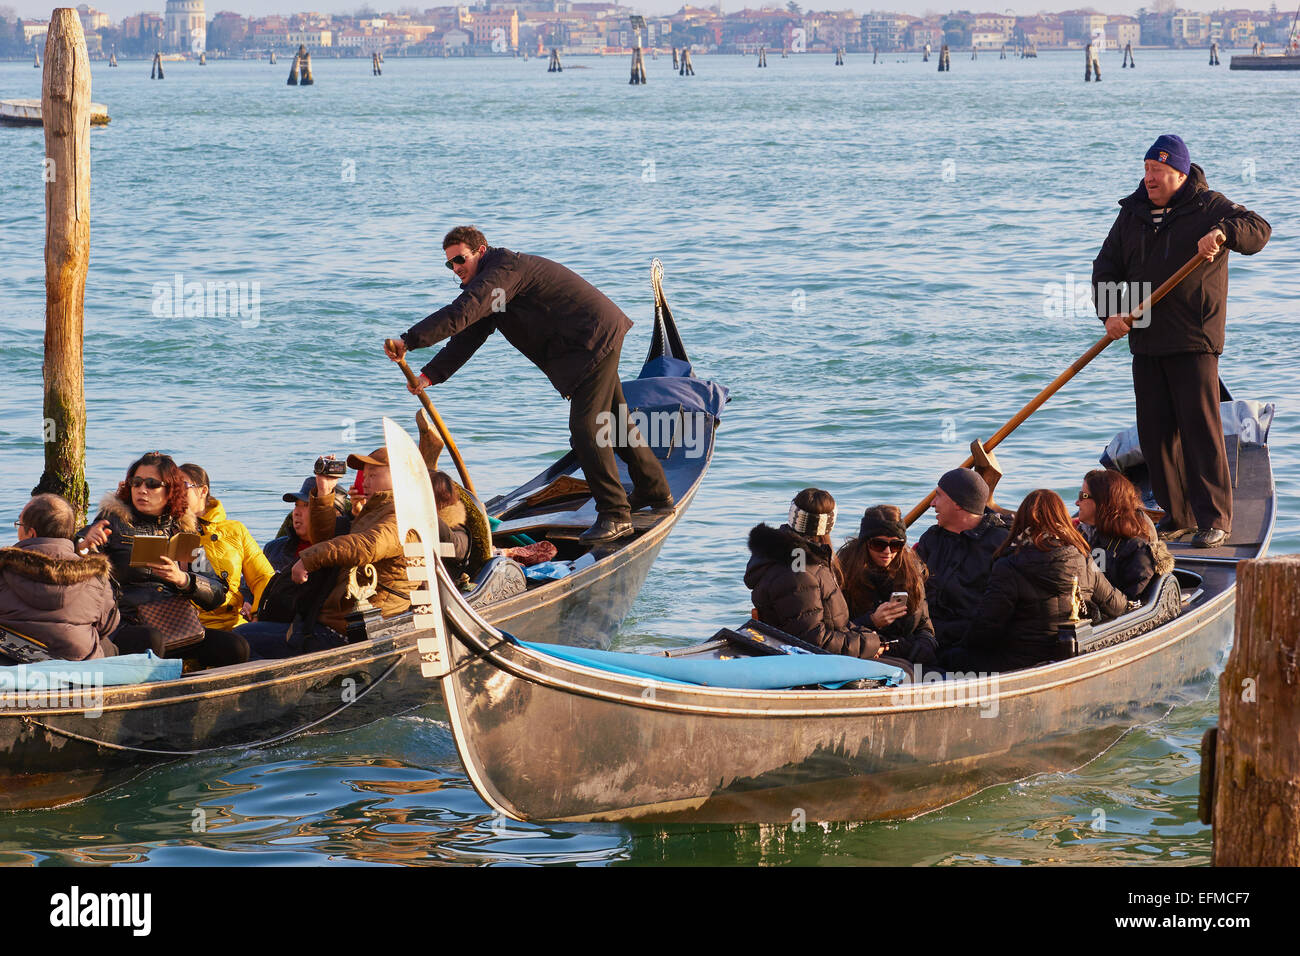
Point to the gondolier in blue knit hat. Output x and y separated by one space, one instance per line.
1171 217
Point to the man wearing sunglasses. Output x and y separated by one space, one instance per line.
571 331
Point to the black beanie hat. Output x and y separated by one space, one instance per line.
966 489
882 521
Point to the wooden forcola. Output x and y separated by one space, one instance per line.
427 402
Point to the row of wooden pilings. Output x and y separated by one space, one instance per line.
1250 763
300 72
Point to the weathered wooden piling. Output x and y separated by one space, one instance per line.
785 53
1128 57
112 57
1091 65
37 64
945 64
686 68
293 72
973 53
1250 764
638 68
304 58
839 57
1003 54
925 54
375 68
272 58
203 58
875 53
554 66
156 71
65 108
1214 53
675 60
762 56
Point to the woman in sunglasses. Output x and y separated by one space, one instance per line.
1123 538
1042 576
878 568
153 501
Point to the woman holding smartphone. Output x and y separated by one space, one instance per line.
884 583
153 501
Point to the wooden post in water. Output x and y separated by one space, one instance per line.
686 69
203 58
945 65
925 54
1092 65
554 66
1253 759
293 72
304 58
65 108
1214 53
675 58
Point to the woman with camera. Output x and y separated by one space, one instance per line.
1042 577
155 598
1122 537
230 551
884 584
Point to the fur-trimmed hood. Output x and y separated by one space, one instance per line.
120 512
454 514
774 545
51 561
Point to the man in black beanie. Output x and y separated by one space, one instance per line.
958 552
1171 217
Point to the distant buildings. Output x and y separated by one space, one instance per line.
186 28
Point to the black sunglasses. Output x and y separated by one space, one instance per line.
153 484
881 544
456 261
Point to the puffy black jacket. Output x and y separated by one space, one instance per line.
913 632
1191 317
807 603
137 586
1029 596
561 322
1128 563
959 566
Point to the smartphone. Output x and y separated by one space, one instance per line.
899 597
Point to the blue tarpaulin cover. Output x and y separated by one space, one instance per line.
743 673
104 672
668 383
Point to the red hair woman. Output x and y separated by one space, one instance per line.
1038 573
1121 535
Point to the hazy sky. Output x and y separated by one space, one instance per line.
118 9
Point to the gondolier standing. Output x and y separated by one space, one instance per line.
571 331
1168 219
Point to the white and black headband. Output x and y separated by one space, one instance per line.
805 522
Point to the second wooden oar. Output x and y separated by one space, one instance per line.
437 420
1069 373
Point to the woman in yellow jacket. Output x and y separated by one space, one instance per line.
231 551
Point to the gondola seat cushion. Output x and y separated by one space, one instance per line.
101 672
743 673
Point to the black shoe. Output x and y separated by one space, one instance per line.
1209 537
606 528
636 501
1166 530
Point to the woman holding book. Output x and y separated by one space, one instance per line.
153 597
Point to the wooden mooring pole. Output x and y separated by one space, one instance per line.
65 108
1250 763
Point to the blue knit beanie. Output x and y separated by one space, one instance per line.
1172 151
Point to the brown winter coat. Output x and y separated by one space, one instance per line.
372 540
51 595
807 603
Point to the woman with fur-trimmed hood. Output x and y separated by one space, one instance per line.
153 501
792 577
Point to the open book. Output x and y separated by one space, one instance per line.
148 548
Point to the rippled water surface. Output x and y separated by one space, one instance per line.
870 312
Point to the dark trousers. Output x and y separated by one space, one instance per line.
217 648
601 391
1181 434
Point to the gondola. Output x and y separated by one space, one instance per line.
54 754
562 734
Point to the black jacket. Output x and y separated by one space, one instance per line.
561 322
1029 596
137 586
913 632
1128 563
1191 317
959 566
807 603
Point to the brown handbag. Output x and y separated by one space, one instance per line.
177 620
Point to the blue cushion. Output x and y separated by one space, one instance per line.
743 673
103 672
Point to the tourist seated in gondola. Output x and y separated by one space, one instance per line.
958 552
1124 541
230 551
877 565
1043 576
283 551
373 540
452 519
792 577
50 594
161 597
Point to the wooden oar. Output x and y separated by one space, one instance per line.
1065 376
437 419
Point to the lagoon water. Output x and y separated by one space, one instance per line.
874 258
